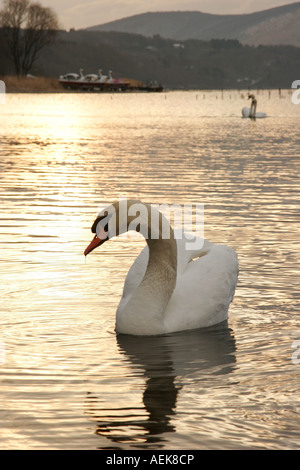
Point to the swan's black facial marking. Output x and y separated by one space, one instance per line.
101 226
98 219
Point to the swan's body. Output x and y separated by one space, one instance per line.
246 113
169 288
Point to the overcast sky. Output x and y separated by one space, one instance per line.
84 13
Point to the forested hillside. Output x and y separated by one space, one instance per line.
190 64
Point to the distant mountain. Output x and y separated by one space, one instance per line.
269 27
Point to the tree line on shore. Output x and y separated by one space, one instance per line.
188 64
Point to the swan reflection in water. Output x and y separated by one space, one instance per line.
196 358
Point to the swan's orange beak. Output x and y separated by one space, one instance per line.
96 241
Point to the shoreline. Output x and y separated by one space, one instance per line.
14 84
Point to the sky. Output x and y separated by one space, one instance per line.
83 13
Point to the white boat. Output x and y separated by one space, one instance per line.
258 114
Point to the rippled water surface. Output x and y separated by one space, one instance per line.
67 380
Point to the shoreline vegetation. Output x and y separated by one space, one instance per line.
31 84
14 84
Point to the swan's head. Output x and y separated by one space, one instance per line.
123 216
100 229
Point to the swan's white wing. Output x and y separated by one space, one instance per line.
197 247
203 291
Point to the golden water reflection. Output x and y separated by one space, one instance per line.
208 358
63 156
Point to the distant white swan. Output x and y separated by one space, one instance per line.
258 114
169 288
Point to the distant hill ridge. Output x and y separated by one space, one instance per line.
278 25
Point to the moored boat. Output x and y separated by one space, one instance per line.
100 82
93 82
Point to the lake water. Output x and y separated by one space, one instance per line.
67 380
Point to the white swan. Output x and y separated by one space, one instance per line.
258 114
169 288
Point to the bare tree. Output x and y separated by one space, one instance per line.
27 27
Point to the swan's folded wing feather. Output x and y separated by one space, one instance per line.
189 248
204 290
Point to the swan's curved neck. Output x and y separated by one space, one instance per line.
144 312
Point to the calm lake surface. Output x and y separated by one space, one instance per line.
67 380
